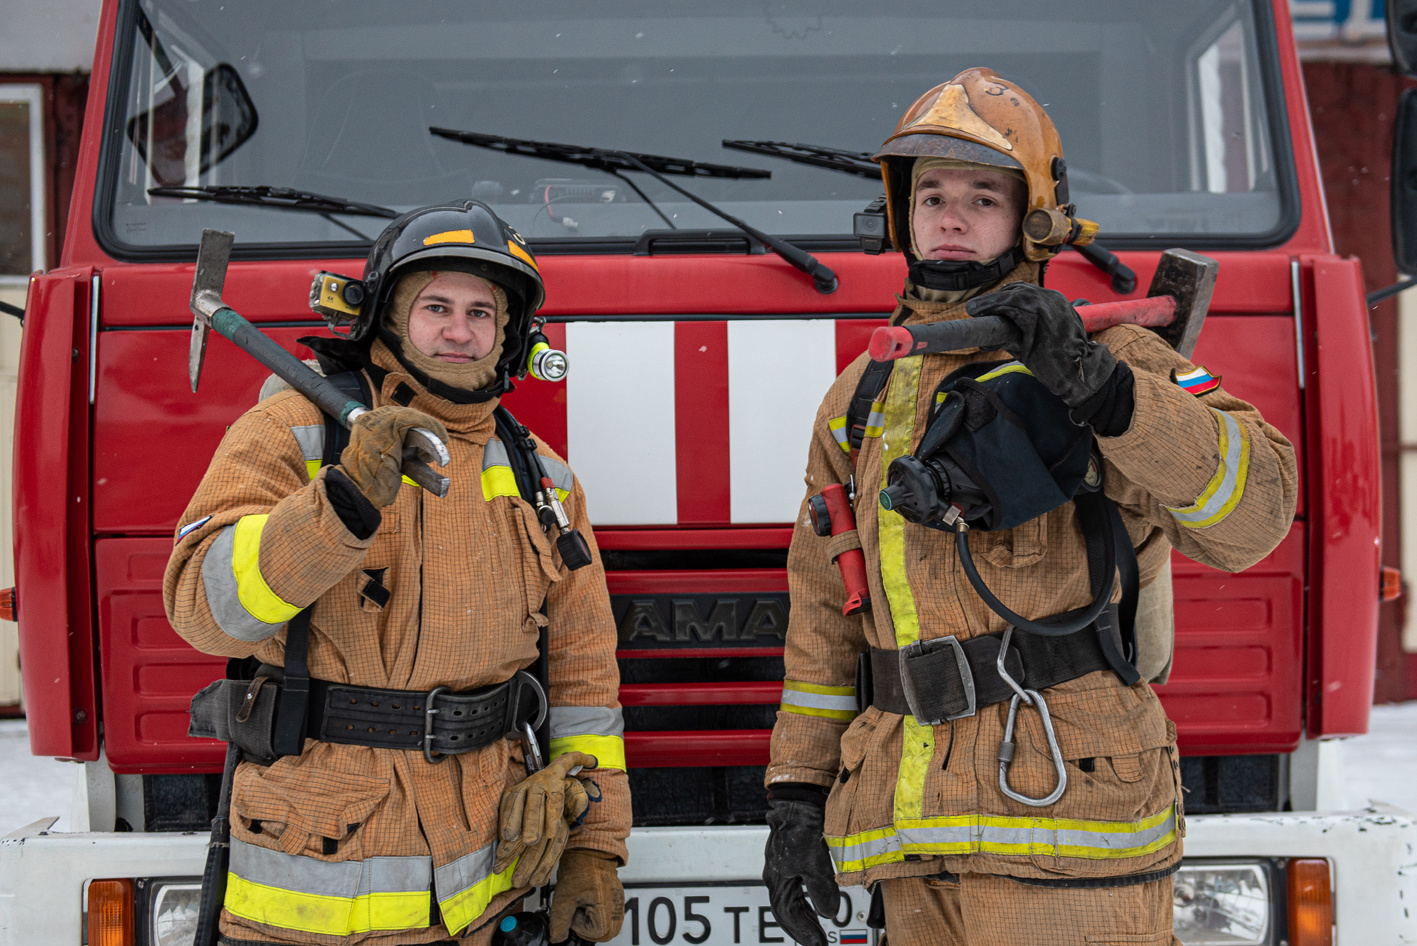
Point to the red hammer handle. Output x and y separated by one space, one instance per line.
992 332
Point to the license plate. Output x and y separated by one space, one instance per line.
728 915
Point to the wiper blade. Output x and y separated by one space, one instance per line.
601 159
615 162
282 198
820 156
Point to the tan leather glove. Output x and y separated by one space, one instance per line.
534 817
588 897
373 460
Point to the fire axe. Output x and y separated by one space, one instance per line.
1175 306
209 313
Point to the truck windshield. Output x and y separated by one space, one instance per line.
1166 111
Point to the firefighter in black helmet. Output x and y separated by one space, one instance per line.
421 616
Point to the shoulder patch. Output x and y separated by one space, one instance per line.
191 527
1198 381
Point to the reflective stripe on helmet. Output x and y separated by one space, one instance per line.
814 699
999 834
335 898
243 605
595 730
1227 487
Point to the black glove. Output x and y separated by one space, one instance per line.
1053 343
797 857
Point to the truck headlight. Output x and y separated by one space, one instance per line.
1223 903
174 912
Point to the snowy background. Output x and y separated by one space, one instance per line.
1381 765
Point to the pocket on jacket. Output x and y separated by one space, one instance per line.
305 809
1019 547
842 817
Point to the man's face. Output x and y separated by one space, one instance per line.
967 213
454 319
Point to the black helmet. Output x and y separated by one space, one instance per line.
468 237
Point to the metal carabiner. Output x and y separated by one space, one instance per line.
1006 747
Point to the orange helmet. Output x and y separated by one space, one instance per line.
982 118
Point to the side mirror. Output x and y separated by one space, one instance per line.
1404 184
160 134
1402 35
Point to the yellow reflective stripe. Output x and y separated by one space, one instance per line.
312 467
321 913
1008 367
837 425
917 749
1227 487
463 907
876 420
609 751
255 595
815 699
499 481
998 834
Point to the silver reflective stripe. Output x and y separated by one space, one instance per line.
819 700
494 454
311 439
875 423
464 873
561 476
586 721
219 580
1229 478
344 879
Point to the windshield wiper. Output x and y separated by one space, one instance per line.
614 162
281 198
820 156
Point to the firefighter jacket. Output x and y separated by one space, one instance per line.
350 841
1198 470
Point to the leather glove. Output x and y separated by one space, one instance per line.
534 818
796 857
373 460
1053 343
588 899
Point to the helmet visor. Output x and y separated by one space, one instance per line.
945 146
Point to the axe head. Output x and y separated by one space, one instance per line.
1189 278
212 256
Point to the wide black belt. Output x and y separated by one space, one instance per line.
439 721
946 678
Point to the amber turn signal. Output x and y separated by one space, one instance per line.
111 913
7 604
1310 903
1391 583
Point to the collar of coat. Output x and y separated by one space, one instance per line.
912 311
470 421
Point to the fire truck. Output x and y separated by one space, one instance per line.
698 355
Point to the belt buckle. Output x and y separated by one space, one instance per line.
429 711
907 682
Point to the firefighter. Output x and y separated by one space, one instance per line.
938 789
421 616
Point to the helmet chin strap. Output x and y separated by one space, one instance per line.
953 275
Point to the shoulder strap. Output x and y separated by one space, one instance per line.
868 390
353 385
288 737
521 452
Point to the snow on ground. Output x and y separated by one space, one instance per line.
1381 765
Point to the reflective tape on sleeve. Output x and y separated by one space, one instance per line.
814 699
1227 487
999 834
333 898
243 605
595 730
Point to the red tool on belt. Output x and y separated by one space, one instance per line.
1175 307
831 515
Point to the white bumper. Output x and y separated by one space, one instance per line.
1373 853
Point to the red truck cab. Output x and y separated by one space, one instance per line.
697 360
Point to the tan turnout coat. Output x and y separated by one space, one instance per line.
467 575
914 800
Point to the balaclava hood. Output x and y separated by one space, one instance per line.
469 378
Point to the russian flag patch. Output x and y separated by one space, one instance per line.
191 527
853 938
1197 382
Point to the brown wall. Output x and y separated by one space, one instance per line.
1352 106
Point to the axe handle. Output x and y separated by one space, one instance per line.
993 332
300 376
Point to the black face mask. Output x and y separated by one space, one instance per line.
953 275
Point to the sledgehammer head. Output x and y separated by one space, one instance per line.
1189 278
212 256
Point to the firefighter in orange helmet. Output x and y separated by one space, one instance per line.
403 808
978 747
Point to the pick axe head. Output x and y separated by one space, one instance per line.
1189 278
213 254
